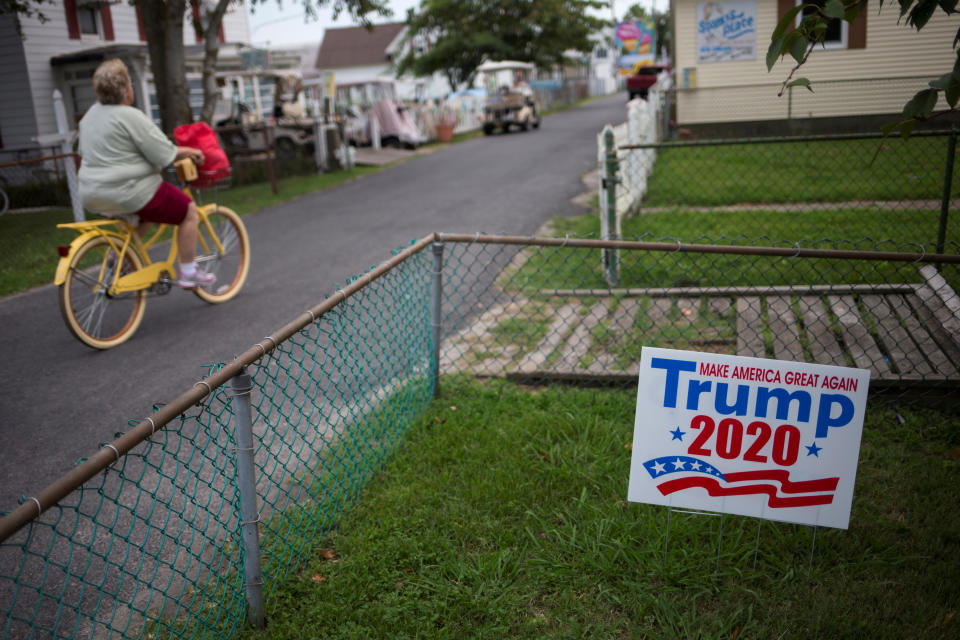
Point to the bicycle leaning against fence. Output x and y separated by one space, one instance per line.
104 276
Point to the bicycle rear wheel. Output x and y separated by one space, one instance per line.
92 315
230 264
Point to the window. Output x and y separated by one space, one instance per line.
87 19
836 36
840 33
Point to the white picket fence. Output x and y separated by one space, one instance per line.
627 182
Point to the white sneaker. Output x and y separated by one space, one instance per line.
199 279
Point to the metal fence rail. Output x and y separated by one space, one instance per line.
186 523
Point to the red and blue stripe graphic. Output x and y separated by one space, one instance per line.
678 473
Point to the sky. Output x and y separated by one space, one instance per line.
273 24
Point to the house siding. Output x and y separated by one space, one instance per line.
42 41
236 27
17 122
897 62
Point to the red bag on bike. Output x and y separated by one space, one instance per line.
200 135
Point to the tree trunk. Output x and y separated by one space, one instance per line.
163 25
211 49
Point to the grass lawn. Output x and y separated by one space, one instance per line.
564 268
820 171
504 514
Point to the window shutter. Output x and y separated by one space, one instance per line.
107 19
783 6
73 25
140 31
197 22
857 31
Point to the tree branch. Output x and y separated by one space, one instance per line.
783 87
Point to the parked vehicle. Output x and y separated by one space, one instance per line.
510 100
290 133
288 136
643 76
370 107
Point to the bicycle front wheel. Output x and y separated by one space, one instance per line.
223 249
92 315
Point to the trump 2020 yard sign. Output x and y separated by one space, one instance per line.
765 438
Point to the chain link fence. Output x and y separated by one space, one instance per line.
843 191
186 523
38 178
146 537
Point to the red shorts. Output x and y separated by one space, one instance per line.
168 206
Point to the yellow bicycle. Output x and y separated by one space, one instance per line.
104 276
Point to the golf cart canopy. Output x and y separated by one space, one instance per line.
491 66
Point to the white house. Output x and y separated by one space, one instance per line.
63 52
355 54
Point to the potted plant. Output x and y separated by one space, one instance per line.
446 123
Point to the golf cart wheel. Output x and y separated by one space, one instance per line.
487 129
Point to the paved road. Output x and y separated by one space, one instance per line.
60 399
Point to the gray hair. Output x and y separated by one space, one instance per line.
110 81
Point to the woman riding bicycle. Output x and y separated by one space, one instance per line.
123 153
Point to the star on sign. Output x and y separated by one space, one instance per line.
679 464
813 449
695 466
677 434
658 467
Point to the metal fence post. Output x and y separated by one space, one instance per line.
271 157
249 516
611 257
947 185
436 318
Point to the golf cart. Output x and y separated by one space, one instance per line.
510 100
370 108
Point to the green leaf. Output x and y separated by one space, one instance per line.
774 51
905 7
921 13
890 127
820 31
801 82
952 90
788 19
798 47
921 104
941 82
907 128
948 6
834 9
